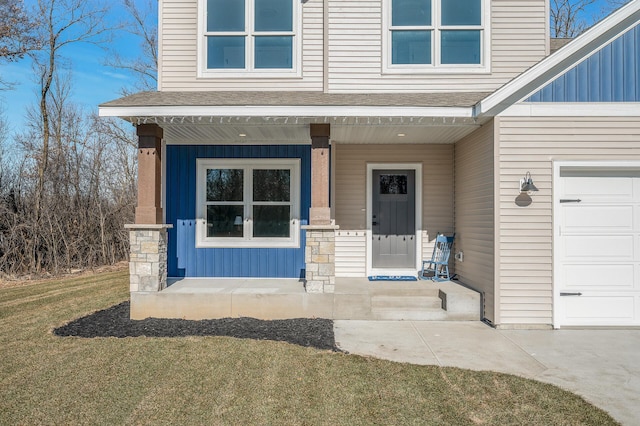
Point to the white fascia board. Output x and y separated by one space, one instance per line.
543 72
284 111
573 109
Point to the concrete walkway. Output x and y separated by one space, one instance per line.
603 366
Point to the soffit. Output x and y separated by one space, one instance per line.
299 133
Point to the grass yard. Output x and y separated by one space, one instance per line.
46 379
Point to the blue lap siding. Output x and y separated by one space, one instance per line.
184 259
609 75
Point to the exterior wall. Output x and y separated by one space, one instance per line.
178 51
184 259
474 214
609 75
519 40
351 195
525 235
519 32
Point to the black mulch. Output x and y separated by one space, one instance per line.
115 322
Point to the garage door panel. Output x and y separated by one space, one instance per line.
599 309
599 247
582 218
610 277
599 188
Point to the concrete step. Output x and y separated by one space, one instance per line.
446 301
407 303
405 315
407 307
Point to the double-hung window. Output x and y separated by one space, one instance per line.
256 36
436 35
248 203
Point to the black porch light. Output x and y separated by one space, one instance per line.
526 184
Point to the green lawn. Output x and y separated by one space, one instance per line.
46 379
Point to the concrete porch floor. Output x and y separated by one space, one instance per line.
354 298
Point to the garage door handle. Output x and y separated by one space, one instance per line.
565 200
570 294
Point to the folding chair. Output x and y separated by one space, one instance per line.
437 268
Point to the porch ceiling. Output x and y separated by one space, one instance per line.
296 131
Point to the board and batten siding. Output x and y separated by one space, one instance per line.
184 259
350 199
526 233
609 75
178 52
518 41
474 214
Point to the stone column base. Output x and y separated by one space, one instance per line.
148 257
320 258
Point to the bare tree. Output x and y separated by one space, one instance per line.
570 18
141 23
64 22
71 184
17 33
16 30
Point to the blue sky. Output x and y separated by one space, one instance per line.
93 82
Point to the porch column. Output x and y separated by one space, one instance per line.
148 236
149 210
320 213
320 233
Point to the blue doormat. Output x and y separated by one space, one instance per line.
392 278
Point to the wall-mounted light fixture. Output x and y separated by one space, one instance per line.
526 184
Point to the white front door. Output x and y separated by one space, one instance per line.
598 246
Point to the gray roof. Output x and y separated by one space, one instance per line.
221 98
558 43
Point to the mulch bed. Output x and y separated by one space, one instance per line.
115 322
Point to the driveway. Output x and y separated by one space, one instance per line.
601 365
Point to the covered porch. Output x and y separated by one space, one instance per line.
344 145
353 298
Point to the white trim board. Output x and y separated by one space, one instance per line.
574 109
284 111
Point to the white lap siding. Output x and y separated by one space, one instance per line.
526 233
518 32
474 214
519 39
178 59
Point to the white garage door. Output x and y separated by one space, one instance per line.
598 246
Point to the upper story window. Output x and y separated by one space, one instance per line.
254 36
448 35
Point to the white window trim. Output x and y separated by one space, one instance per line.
248 241
436 67
249 71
